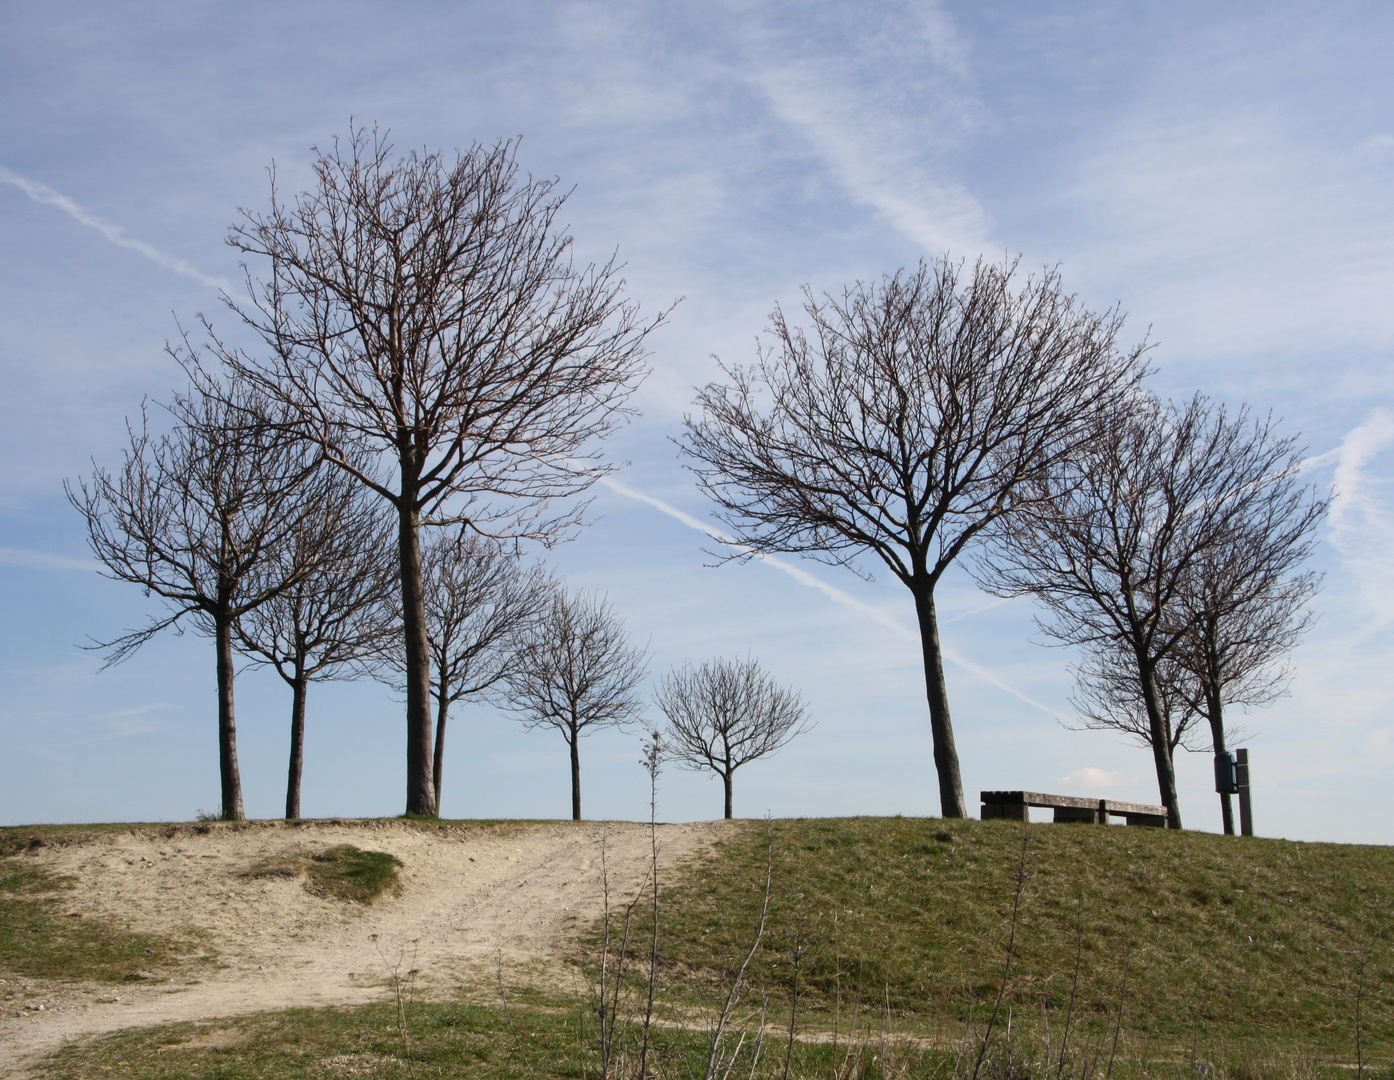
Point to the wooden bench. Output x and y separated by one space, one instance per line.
1013 805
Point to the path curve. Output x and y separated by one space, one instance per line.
473 898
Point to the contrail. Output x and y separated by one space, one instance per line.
43 560
42 193
833 593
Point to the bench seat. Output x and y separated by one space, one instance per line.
1013 805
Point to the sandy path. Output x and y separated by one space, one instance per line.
470 900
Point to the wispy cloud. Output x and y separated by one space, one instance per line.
1361 522
1223 193
836 595
125 723
1092 779
882 96
43 560
45 195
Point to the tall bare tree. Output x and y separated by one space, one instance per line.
427 309
725 713
1115 539
576 672
905 421
336 614
480 602
193 517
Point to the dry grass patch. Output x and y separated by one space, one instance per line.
41 938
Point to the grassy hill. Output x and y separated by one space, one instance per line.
1233 940
1182 954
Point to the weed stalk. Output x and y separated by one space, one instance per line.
1011 950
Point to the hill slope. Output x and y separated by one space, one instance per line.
1228 937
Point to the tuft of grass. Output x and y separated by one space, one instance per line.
1249 941
350 874
343 871
41 939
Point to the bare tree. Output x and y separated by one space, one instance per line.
1245 601
576 671
1108 696
907 421
480 601
335 615
1114 540
428 310
725 713
193 516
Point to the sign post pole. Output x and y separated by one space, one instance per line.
1241 775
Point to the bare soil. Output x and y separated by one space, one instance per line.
474 904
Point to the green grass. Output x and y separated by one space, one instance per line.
443 1040
559 1042
1246 941
1244 954
365 1041
343 872
40 939
348 873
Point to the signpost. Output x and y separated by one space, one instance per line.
1241 777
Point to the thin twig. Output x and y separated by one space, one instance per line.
653 762
1118 1024
1011 948
396 972
1074 982
508 1016
733 994
1359 1000
794 999
604 955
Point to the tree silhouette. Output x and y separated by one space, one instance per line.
909 417
426 311
725 713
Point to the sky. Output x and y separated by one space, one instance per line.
1221 173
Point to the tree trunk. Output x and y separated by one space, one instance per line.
442 713
726 779
951 803
227 724
575 776
298 687
1161 749
421 793
1215 714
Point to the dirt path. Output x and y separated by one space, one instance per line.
471 900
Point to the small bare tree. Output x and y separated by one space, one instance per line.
909 418
1245 602
1114 541
194 517
337 613
480 600
576 672
725 713
427 310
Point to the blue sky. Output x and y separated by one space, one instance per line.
1222 172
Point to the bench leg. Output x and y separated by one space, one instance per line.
1009 811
